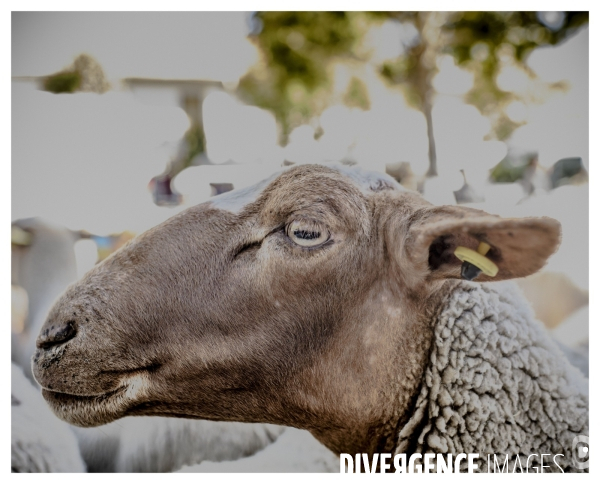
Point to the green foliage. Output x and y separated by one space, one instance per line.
508 171
522 30
482 41
403 72
85 74
479 42
299 44
357 96
298 48
63 82
196 144
568 171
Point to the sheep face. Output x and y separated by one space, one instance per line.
304 301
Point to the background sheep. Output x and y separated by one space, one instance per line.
294 451
157 444
39 441
150 444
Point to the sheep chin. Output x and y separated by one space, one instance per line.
95 410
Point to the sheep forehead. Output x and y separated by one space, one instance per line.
235 201
367 181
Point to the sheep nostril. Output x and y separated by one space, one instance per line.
56 334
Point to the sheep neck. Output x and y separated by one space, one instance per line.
388 351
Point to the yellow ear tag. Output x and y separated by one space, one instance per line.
478 258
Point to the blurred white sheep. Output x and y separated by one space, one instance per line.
161 444
40 442
295 451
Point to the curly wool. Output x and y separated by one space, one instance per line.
496 384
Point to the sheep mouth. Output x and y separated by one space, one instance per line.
89 410
63 396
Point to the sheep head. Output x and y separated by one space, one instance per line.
305 300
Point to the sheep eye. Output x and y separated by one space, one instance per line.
307 234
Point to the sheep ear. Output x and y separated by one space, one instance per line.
518 247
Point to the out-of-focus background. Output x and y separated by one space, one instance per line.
121 120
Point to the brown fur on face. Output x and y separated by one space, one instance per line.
221 315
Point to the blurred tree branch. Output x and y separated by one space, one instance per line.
479 42
293 79
483 41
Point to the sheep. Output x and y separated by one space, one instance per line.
39 441
294 451
574 331
326 299
553 296
156 444
572 336
151 444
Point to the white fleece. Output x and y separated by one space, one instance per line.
294 451
40 442
496 384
